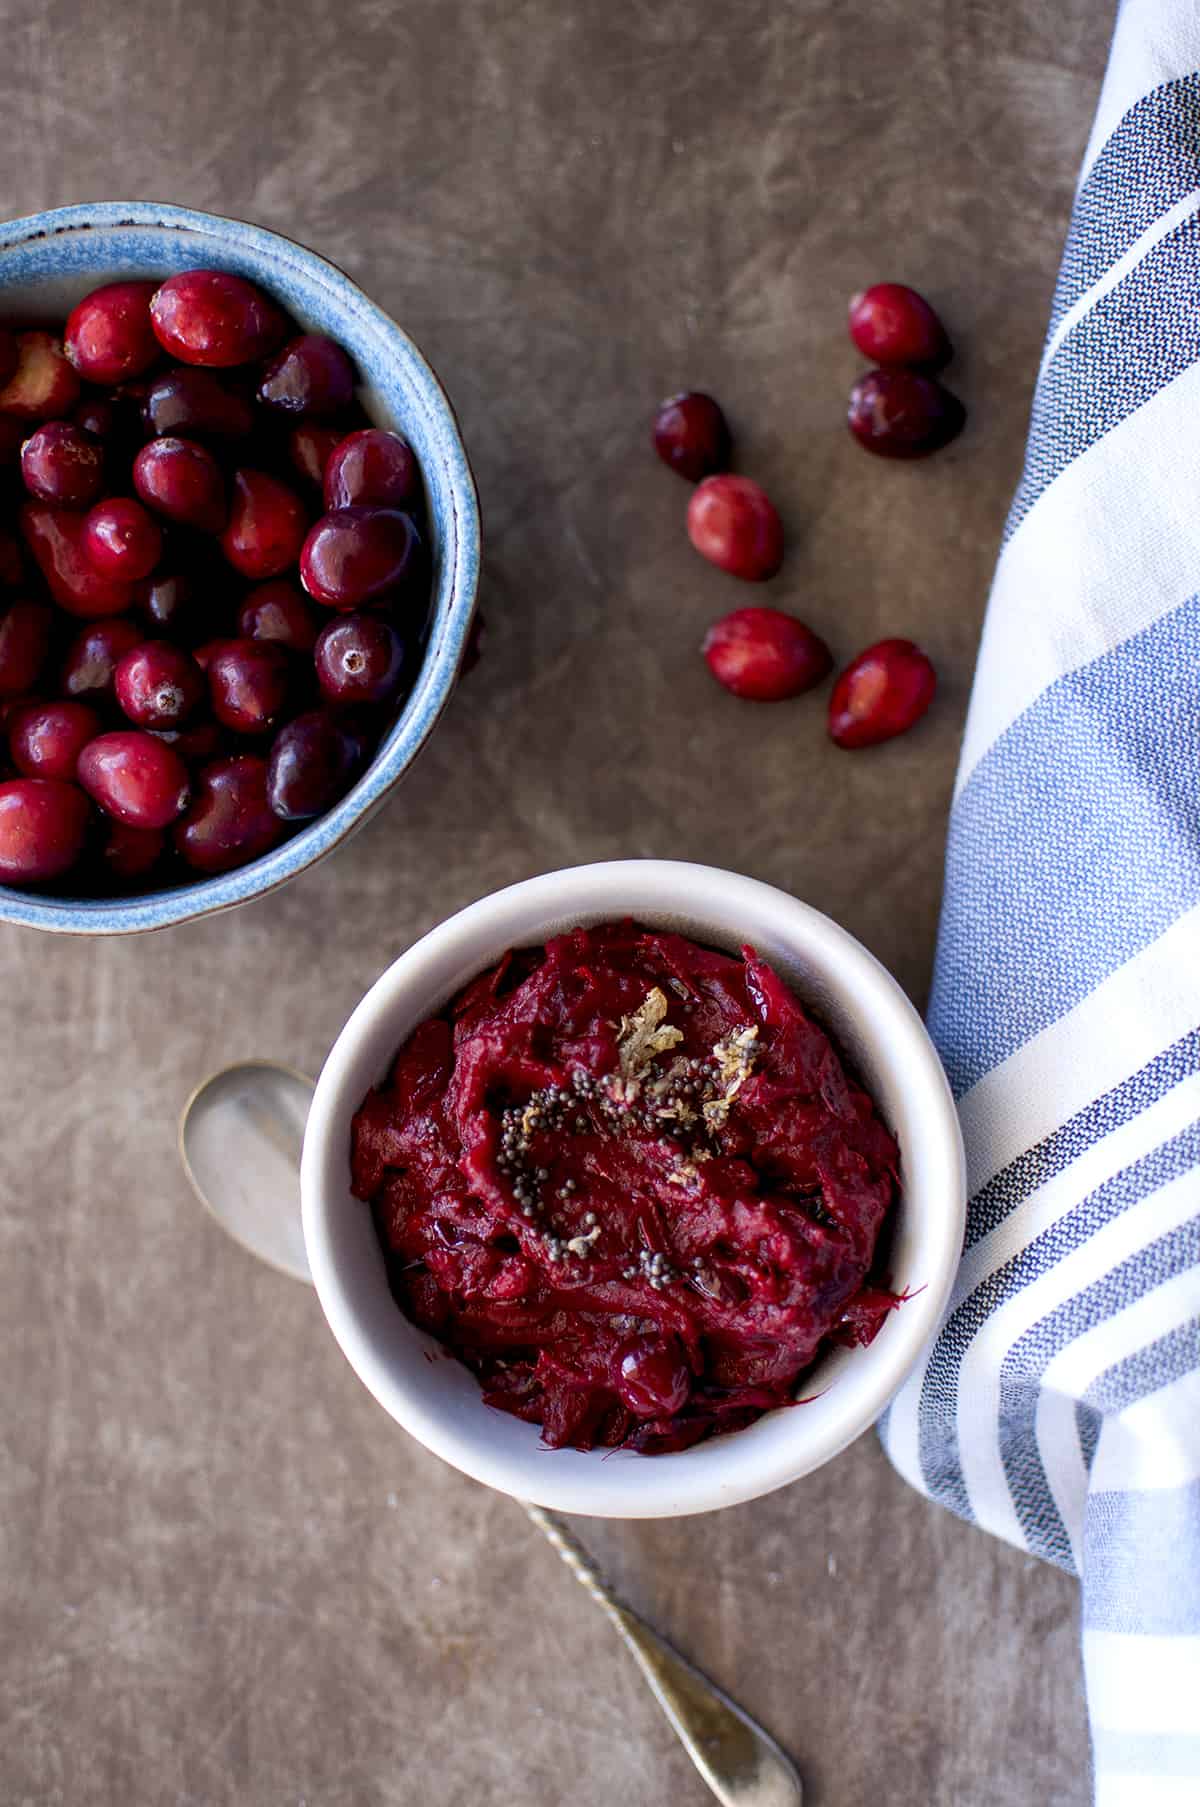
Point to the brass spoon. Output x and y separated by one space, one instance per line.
240 1136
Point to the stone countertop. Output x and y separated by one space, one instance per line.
228 1578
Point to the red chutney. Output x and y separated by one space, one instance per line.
628 1182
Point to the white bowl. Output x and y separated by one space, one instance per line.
439 1401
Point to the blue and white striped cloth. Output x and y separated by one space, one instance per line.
1059 1406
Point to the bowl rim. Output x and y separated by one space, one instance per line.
435 682
726 1470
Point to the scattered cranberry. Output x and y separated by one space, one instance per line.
158 685
359 659
43 826
248 682
179 479
372 468
56 538
279 611
311 375
653 1377
43 386
131 853
121 539
211 317
168 604
9 356
881 694
25 631
191 403
62 463
733 524
765 655
231 820
267 525
354 554
109 337
46 739
312 761
197 743
134 777
96 415
90 666
310 449
902 414
892 324
691 435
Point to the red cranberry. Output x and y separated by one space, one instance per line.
97 416
158 685
179 479
25 630
312 762
653 1377
248 682
43 826
121 539
733 524
93 656
168 604
892 324
211 317
62 463
130 853
354 554
9 356
881 694
197 743
310 449
372 468
109 336
765 655
134 777
191 403
55 536
231 820
267 525
691 435
46 739
902 414
359 659
43 386
311 375
279 611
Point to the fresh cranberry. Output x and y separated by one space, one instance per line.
653 1377
248 682
197 743
25 630
902 414
62 463
134 777
43 826
9 356
207 652
881 694
191 403
56 538
359 659
93 656
312 762
354 554
211 317
311 375
109 337
279 611
96 415
231 820
691 435
43 386
130 853
168 604
158 685
121 539
765 655
310 449
892 324
372 468
267 525
179 479
46 739
733 524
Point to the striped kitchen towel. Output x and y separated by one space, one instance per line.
1059 1405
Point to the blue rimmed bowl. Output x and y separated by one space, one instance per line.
47 263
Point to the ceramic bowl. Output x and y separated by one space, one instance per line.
47 262
438 1400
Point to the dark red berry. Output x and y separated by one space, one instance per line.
64 464
248 683
198 743
190 403
46 739
279 611
231 820
121 539
881 694
43 386
181 480
130 853
55 536
372 468
691 435
91 661
733 524
311 375
135 777
310 449
765 655
354 554
267 525
653 1377
359 659
902 414
158 685
312 762
214 318
168 604
892 324
43 827
109 337
25 631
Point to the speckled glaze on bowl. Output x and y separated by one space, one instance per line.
50 260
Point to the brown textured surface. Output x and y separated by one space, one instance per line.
227 1578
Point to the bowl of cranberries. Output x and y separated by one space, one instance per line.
239 551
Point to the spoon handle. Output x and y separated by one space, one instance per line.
742 1765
